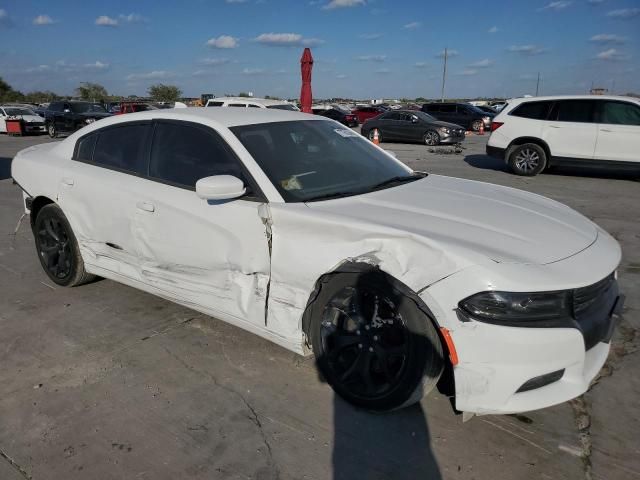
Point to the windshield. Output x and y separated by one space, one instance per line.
475 109
316 159
424 116
18 111
285 106
87 107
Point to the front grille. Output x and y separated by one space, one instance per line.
586 297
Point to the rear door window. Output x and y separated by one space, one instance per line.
433 108
532 110
85 146
122 148
619 113
579 111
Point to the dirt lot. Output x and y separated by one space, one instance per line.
106 382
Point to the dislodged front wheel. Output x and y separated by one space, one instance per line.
372 344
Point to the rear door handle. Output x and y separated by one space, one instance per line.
146 206
68 181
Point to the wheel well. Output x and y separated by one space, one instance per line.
36 206
446 384
522 140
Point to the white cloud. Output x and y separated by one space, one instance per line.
133 18
450 53
624 13
105 21
370 36
5 19
372 58
526 49
43 20
468 72
253 71
607 38
611 54
154 75
561 5
412 25
213 62
482 63
38 69
341 76
493 29
343 4
97 65
420 65
287 40
223 41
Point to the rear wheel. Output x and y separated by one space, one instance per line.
431 138
475 125
52 131
372 344
527 160
58 249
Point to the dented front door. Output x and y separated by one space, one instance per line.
211 254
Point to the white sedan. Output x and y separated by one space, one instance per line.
32 122
297 229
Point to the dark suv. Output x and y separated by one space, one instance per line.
68 116
463 114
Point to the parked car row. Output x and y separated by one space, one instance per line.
32 123
412 126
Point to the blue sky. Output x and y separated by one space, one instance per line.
362 48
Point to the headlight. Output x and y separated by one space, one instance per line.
499 307
444 130
90 120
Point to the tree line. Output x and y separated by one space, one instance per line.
93 92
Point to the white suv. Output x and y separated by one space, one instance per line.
531 134
251 102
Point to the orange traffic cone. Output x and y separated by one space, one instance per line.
376 137
481 131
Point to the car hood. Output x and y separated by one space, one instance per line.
499 223
32 118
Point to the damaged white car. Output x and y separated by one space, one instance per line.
296 228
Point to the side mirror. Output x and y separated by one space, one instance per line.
220 187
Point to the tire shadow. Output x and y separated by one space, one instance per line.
5 168
486 162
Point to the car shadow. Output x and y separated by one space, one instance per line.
394 445
5 168
486 162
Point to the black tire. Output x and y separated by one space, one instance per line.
52 130
372 343
527 160
58 249
475 125
371 133
431 138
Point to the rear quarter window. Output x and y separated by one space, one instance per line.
532 110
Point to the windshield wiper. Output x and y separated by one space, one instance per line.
329 196
398 180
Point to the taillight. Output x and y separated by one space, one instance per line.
496 125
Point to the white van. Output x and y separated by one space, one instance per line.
248 102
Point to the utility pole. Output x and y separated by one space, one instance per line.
613 86
538 84
444 74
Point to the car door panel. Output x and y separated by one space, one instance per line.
570 131
618 132
213 254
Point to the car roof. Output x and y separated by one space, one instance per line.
261 101
573 97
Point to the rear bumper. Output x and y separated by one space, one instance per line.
495 152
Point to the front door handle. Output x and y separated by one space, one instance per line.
68 181
146 206
553 126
